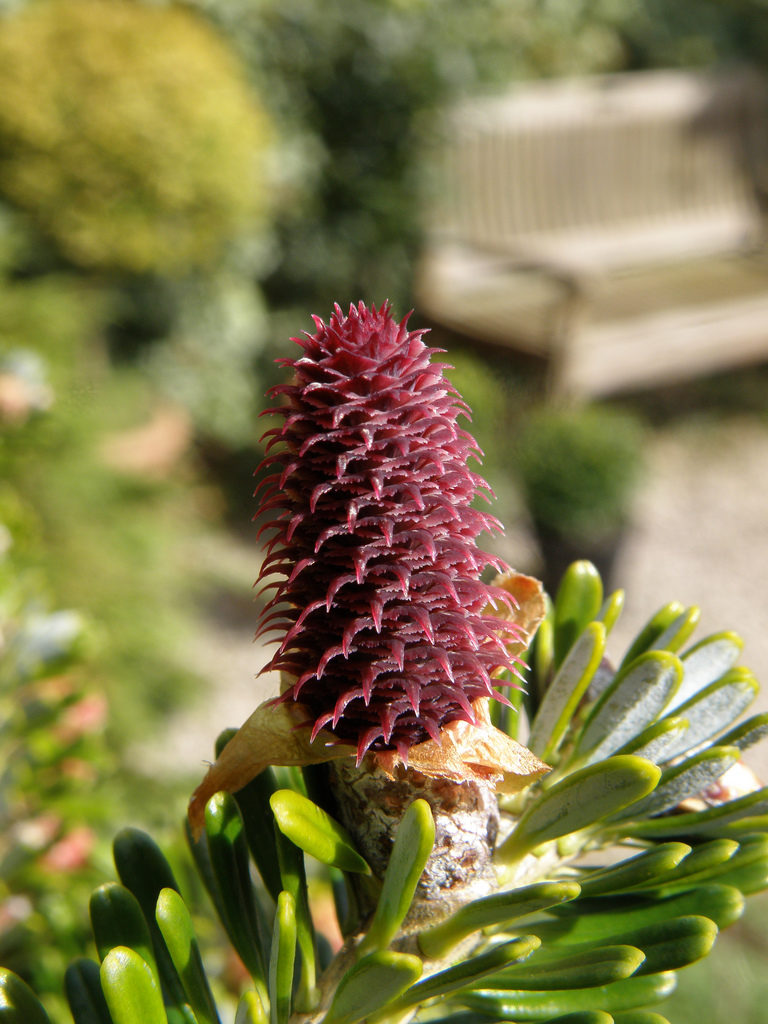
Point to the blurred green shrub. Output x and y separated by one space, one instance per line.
351 84
113 541
486 393
55 809
128 133
76 532
206 363
578 469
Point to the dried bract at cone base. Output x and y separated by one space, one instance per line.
277 734
469 753
273 735
529 607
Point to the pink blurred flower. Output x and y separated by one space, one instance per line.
71 852
87 715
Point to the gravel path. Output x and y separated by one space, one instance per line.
700 536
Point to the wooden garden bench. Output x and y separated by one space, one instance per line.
612 225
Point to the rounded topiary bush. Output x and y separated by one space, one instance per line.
128 133
578 469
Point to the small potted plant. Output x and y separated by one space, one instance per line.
578 469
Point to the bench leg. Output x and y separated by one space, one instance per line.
564 353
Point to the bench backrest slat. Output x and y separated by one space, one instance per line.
576 167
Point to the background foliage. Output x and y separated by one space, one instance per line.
127 133
180 185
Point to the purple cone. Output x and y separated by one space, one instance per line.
384 631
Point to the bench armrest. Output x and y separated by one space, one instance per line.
578 279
